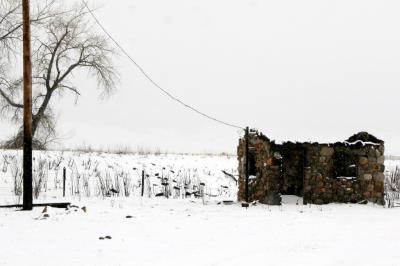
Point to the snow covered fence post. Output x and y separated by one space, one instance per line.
64 177
247 163
142 183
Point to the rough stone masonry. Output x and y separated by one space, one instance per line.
349 171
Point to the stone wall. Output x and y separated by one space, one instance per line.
350 171
345 172
264 183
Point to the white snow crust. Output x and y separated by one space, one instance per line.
187 231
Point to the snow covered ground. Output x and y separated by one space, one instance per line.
185 231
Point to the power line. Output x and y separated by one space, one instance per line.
170 95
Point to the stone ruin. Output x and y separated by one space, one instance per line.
349 171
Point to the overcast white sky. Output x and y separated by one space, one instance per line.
297 70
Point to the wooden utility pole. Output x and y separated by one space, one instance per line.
27 66
246 169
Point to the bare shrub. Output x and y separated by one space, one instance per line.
40 176
126 182
104 184
116 188
85 185
101 185
6 161
16 173
392 187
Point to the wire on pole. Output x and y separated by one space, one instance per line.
167 93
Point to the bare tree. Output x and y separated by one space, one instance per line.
10 45
66 43
10 24
11 21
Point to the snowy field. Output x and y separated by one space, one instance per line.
102 175
191 227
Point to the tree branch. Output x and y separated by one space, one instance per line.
9 101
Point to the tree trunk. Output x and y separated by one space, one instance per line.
39 115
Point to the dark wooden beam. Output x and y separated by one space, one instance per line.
63 205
